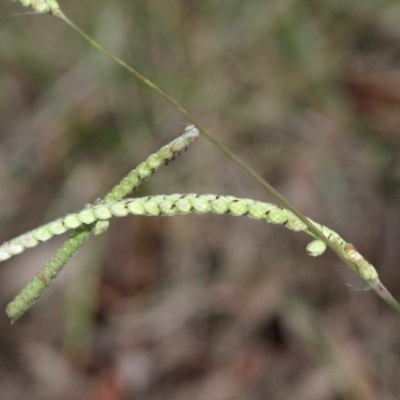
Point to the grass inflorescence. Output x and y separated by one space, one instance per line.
93 219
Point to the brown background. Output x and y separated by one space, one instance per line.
203 307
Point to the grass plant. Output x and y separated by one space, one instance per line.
93 219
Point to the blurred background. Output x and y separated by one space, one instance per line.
203 307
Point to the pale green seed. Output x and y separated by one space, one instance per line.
278 216
4 255
28 241
178 145
316 248
238 208
72 221
102 212
167 207
200 205
135 207
183 205
258 210
154 162
219 205
87 216
150 207
143 171
119 209
15 248
57 227
101 227
165 153
42 234
191 133
167 204
295 224
367 271
133 179
332 236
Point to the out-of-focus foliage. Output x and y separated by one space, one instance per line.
203 307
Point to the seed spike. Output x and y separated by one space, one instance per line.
51 269
161 205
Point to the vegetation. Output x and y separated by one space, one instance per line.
337 101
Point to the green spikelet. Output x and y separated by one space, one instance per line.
27 297
147 168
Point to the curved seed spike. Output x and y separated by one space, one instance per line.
169 205
178 204
166 205
152 163
32 291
